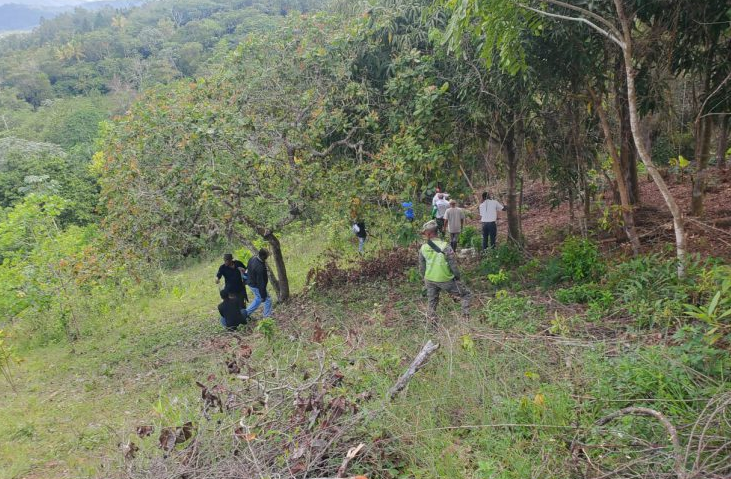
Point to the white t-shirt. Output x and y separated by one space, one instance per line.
489 209
442 207
436 197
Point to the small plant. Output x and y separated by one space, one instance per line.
469 234
679 165
529 270
267 328
504 256
498 278
585 293
406 234
559 325
581 259
611 218
413 275
716 314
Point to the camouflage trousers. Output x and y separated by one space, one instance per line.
452 287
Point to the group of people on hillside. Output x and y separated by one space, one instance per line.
437 262
233 309
450 218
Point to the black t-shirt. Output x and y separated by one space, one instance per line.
230 309
361 230
232 276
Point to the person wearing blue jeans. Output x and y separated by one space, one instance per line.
359 228
257 281
232 315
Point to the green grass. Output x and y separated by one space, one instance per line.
72 408
499 400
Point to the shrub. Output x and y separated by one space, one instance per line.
504 256
469 234
649 290
553 273
581 259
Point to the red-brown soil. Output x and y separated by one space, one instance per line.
545 227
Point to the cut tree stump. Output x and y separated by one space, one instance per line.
418 362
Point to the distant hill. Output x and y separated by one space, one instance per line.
26 14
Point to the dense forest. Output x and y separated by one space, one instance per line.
137 143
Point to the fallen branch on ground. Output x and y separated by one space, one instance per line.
352 452
418 362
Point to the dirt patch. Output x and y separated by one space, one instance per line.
545 225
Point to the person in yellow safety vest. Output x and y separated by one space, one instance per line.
438 267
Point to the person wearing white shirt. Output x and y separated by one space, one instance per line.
436 197
488 217
442 206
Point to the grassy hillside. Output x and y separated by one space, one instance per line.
505 395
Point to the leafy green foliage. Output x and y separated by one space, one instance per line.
717 312
469 236
504 256
498 278
8 359
267 328
585 293
581 259
648 288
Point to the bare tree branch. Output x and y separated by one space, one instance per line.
596 27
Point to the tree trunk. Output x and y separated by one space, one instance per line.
255 251
722 144
283 289
627 157
511 158
627 214
704 127
678 221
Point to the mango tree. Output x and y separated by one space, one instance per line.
240 153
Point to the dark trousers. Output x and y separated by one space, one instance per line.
453 241
440 226
489 232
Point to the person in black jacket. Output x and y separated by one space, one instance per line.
233 272
359 228
258 280
232 316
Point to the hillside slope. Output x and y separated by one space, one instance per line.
509 394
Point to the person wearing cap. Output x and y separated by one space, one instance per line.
454 222
233 271
438 267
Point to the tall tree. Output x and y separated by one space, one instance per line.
239 154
